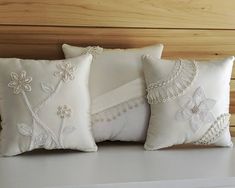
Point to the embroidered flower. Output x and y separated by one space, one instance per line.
93 50
64 112
65 72
197 110
20 82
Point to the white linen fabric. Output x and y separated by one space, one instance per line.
45 104
111 70
121 114
189 102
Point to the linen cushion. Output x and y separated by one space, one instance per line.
111 71
45 104
189 102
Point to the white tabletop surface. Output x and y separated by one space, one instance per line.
115 163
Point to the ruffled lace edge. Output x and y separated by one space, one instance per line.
215 131
179 80
113 113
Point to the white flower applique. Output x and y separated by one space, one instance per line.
20 82
65 71
197 110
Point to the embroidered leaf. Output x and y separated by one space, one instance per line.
24 129
47 88
68 130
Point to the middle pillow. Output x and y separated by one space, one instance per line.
119 109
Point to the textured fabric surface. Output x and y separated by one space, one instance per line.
112 69
121 114
45 104
189 102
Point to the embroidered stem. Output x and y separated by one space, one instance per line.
32 137
61 133
37 119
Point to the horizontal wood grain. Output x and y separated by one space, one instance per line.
216 14
232 131
45 42
232 103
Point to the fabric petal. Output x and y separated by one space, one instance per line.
12 84
207 105
184 114
17 89
190 104
207 117
22 75
27 87
28 80
210 103
198 96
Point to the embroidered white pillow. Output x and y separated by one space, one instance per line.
189 102
45 104
111 70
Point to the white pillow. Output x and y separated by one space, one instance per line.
121 114
189 102
45 104
111 70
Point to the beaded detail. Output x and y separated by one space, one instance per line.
93 50
215 130
179 80
118 110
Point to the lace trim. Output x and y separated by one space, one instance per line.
178 81
93 50
215 131
118 110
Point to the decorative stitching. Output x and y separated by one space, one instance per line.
118 110
93 50
176 84
20 82
41 135
215 130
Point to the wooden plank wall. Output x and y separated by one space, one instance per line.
198 29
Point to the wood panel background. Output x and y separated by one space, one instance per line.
197 29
